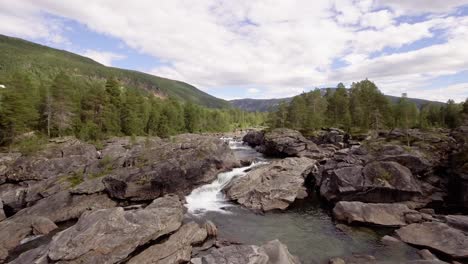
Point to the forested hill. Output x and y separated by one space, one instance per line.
43 63
266 105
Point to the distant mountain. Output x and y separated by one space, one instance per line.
45 62
266 105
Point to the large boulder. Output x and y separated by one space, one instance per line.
436 236
110 235
40 217
273 252
283 142
374 214
458 221
273 186
173 166
177 249
376 182
254 138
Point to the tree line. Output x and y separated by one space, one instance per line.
361 108
93 110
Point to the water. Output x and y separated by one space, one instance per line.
307 229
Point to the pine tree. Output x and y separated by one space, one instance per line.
62 109
18 112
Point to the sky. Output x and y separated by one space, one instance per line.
263 48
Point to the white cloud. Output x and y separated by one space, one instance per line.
103 57
281 46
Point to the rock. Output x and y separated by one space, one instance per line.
436 236
12 232
273 186
375 214
171 166
377 182
413 217
89 187
273 252
63 206
211 229
278 253
390 241
57 158
427 255
110 235
413 161
2 213
458 221
283 142
177 249
336 261
13 196
429 211
34 256
254 138
42 226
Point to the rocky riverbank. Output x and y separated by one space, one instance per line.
407 180
122 202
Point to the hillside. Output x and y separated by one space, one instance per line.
265 105
44 62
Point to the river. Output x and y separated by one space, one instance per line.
306 227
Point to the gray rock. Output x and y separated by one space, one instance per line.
436 236
2 213
42 226
273 186
110 235
254 138
413 217
283 142
427 255
390 241
177 166
63 206
458 221
89 187
211 229
377 182
413 161
273 252
375 214
177 249
34 256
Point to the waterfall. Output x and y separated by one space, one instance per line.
210 197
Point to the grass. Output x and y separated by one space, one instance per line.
30 145
75 178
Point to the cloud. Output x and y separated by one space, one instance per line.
103 57
283 47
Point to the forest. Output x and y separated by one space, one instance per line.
361 108
93 110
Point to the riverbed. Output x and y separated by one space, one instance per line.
307 227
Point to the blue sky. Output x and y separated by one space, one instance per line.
263 48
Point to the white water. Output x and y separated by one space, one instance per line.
210 197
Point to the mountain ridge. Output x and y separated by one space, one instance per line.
44 62
266 105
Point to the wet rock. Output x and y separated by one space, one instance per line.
274 252
211 229
42 226
273 186
436 236
374 214
177 249
110 235
171 166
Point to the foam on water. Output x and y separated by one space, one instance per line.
210 197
